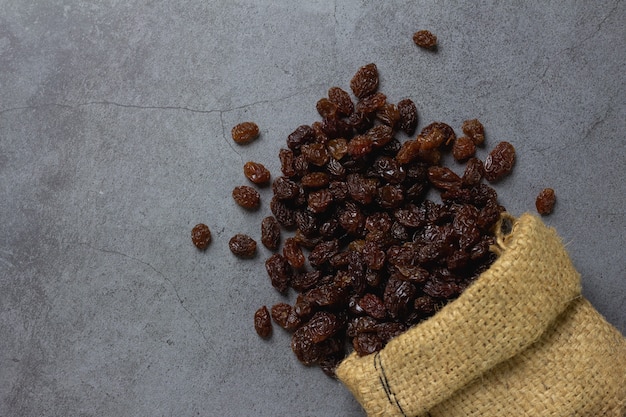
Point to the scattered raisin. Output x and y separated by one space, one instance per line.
425 39
293 253
256 172
262 322
499 162
545 201
242 245
408 116
342 100
463 148
201 236
247 197
245 132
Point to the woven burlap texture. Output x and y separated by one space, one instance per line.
519 341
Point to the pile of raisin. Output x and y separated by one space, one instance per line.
369 252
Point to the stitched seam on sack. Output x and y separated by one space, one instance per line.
391 396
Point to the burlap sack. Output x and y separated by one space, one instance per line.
520 341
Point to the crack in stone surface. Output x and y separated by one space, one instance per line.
163 276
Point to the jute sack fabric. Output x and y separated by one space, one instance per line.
519 341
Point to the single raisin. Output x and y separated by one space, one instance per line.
285 189
408 116
285 316
315 153
303 134
279 271
425 39
201 236
474 130
463 148
287 157
499 162
359 146
474 171
242 245
262 322
315 180
342 100
443 178
371 104
256 172
247 197
338 148
365 81
545 201
326 108
245 132
293 253
320 200
270 233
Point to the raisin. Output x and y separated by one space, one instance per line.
371 104
499 162
474 171
293 253
342 100
320 200
365 81
201 236
323 251
285 316
279 271
282 212
443 178
338 148
287 157
285 189
247 197
425 39
409 151
463 148
262 322
474 130
373 306
242 245
315 180
367 343
321 326
380 135
245 132
359 146
256 172
303 134
326 108
270 233
408 116
315 153
545 201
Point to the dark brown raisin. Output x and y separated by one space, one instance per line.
326 108
380 135
425 39
443 178
285 189
201 236
372 305
408 116
323 251
315 153
279 271
262 322
499 162
409 151
474 171
367 343
315 180
342 100
245 132
435 135
293 253
338 148
365 81
242 245
359 146
303 134
247 197
270 233
371 104
475 130
463 148
256 172
287 157
389 114
320 200
285 316
545 201
282 213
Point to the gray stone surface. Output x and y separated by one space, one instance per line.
114 141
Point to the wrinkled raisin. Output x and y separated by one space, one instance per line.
285 316
408 116
425 39
499 162
242 245
293 253
262 322
256 172
285 189
270 233
474 130
463 148
545 201
247 197
201 236
342 100
245 132
359 146
303 134
279 271
365 81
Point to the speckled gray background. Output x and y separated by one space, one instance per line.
114 141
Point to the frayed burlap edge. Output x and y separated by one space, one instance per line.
506 310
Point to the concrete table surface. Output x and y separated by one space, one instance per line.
114 142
